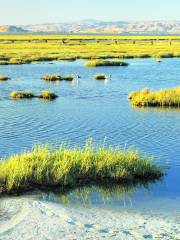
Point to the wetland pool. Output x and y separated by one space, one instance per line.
98 109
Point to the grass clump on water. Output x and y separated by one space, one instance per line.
65 167
105 63
163 98
22 95
47 95
4 78
51 78
100 77
55 77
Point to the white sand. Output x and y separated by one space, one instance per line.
30 219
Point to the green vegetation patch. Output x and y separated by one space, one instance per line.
21 49
47 95
105 63
67 78
21 95
4 78
65 167
163 98
100 77
56 77
51 78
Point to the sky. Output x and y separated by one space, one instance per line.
22 12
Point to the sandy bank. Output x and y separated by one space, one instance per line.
27 218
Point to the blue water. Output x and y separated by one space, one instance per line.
99 109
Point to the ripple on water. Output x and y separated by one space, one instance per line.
90 108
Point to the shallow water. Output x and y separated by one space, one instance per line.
99 109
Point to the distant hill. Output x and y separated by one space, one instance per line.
11 29
90 26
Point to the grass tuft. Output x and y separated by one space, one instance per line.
100 77
21 95
4 78
105 63
47 95
55 77
65 168
51 78
163 98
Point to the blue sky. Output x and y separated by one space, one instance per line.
44 11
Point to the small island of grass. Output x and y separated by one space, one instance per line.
4 78
100 77
56 77
22 95
45 167
106 63
51 78
47 95
163 98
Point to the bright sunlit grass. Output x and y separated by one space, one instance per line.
163 98
20 49
105 63
47 95
70 167
4 78
21 95
100 77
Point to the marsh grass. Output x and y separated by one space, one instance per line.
100 77
4 78
56 77
163 98
47 95
106 63
65 167
51 78
22 95
19 61
21 49
4 62
67 78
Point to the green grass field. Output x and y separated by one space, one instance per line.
19 49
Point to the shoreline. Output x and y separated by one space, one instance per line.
59 60
31 218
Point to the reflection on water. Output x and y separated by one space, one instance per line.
160 109
95 194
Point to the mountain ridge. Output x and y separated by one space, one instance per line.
92 26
